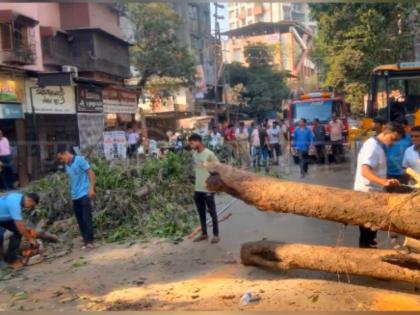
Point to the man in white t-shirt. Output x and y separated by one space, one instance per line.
274 138
336 136
412 154
372 170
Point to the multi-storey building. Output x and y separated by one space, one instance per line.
62 68
245 13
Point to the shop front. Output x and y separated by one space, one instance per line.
120 106
51 124
90 118
12 95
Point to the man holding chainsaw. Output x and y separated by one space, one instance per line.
11 206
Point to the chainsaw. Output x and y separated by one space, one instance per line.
29 250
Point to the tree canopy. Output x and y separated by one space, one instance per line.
263 87
155 49
353 38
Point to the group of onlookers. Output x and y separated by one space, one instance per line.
315 139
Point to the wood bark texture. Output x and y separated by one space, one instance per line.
379 211
378 263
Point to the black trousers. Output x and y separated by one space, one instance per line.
337 151
6 173
14 241
320 153
205 200
303 162
83 211
367 237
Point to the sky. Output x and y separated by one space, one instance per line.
221 12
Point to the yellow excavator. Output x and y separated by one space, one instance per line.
394 92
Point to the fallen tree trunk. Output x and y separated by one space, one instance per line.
377 263
379 211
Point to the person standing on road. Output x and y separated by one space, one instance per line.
302 141
202 196
230 141
255 147
11 219
412 154
274 134
264 145
6 174
319 141
215 139
372 170
242 138
336 137
395 156
82 186
133 140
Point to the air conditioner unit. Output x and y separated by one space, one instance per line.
71 69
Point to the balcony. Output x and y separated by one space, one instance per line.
19 56
56 48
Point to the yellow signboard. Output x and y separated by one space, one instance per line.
11 90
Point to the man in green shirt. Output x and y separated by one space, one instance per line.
203 198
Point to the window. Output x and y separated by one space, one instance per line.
249 12
6 36
46 42
237 55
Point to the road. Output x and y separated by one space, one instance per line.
161 275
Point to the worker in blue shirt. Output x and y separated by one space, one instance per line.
302 141
395 155
82 187
11 219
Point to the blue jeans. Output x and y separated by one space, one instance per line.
256 155
303 161
83 211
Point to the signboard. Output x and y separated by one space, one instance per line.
115 145
11 90
200 82
51 99
89 99
11 111
118 101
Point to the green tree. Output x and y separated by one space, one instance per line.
156 51
354 38
264 87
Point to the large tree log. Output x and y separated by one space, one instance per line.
377 263
379 211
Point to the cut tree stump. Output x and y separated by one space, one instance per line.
377 263
375 210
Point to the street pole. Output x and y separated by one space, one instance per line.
218 58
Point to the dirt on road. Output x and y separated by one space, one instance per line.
168 275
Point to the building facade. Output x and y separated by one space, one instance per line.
241 14
60 64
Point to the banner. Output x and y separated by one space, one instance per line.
118 101
51 99
200 82
115 145
89 99
11 111
11 90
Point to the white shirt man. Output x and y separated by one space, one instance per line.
336 129
215 138
372 170
274 134
373 155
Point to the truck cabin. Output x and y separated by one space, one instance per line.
395 92
317 105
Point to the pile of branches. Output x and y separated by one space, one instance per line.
151 199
